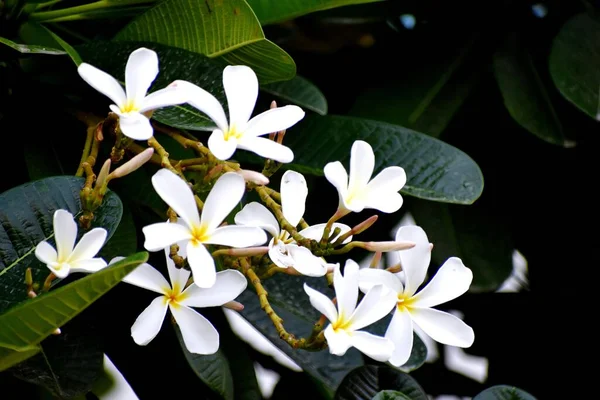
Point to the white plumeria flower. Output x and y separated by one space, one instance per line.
345 321
359 191
199 335
452 280
66 259
192 232
140 72
283 249
241 88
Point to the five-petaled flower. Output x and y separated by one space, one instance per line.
359 191
140 72
199 335
345 321
66 259
283 249
452 280
241 88
192 232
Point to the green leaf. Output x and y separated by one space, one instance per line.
26 49
525 96
503 392
480 237
10 357
575 63
365 382
174 64
270 11
36 34
66 46
299 91
26 214
32 321
390 395
435 170
212 369
227 30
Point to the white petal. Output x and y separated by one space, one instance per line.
382 192
177 194
199 336
168 96
163 234
316 231
452 280
339 341
203 101
238 236
202 264
322 303
279 254
443 327
61 270
223 197
336 175
45 253
376 304
241 88
267 148
65 233
140 72
293 196
274 120
135 126
147 325
369 277
89 265
414 261
305 262
400 331
346 288
362 162
147 277
89 245
255 214
376 347
228 285
104 83
221 148
177 276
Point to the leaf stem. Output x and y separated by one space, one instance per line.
98 5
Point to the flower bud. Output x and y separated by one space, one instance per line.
101 181
234 305
388 246
254 177
132 164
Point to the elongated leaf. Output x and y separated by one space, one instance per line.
26 214
25 48
299 91
525 96
575 63
66 46
390 395
270 11
365 382
212 369
174 64
36 34
503 392
435 170
31 322
228 30
9 357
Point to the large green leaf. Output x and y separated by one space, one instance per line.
26 214
503 392
10 357
212 369
435 170
228 30
525 96
36 34
26 49
300 91
32 321
575 62
365 382
174 64
270 11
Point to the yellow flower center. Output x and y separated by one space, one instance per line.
404 301
174 296
232 132
342 323
130 106
200 234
